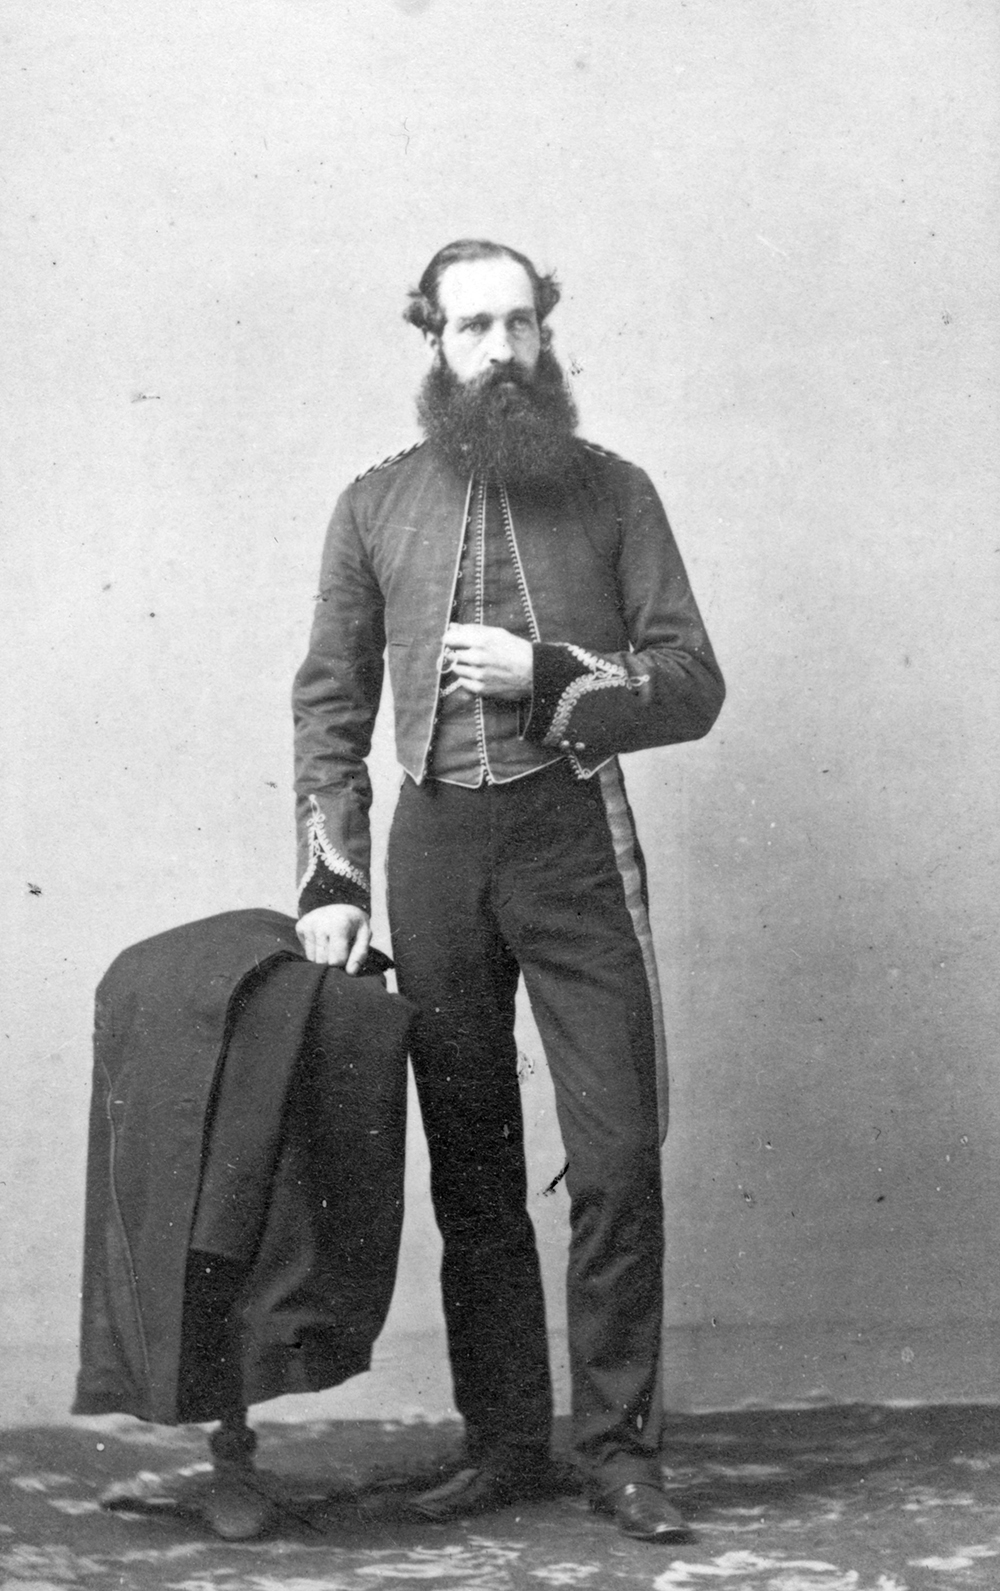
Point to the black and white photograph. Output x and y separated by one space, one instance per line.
500 582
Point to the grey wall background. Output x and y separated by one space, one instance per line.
776 224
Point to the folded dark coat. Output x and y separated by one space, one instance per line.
322 1268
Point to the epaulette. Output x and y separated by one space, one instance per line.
393 458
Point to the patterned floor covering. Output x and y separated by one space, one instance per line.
827 1499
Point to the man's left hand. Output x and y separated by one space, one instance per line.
490 661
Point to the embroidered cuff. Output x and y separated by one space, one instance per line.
330 878
563 675
331 889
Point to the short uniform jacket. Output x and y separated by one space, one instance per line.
621 658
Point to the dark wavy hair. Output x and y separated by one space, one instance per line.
424 309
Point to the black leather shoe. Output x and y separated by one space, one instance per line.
484 1489
235 1506
642 1511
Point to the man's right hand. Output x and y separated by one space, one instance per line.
339 936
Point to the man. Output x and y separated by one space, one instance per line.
538 621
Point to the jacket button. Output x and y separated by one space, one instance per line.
581 745
564 745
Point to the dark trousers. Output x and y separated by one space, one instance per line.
486 884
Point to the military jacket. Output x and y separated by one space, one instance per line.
622 660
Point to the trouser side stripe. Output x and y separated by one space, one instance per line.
624 841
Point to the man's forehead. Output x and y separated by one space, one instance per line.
494 286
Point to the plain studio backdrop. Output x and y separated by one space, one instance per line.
776 226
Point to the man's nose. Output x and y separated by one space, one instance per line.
500 347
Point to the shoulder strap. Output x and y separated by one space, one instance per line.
393 458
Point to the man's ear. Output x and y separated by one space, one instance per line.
432 340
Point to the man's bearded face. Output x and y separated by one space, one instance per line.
517 423
495 397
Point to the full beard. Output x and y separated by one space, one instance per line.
518 425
